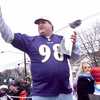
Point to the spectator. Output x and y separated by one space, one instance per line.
14 90
3 92
85 82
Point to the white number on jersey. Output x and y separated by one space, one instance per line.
45 51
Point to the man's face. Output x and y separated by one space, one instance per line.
45 28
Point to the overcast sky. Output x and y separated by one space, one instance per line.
20 16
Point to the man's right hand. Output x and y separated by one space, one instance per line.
0 12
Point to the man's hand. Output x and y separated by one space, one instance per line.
0 12
74 37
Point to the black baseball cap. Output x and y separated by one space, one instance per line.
37 21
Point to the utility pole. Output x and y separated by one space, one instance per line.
25 64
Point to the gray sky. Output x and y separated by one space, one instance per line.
20 16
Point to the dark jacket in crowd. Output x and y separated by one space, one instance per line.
85 86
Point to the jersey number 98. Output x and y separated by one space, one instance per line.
45 51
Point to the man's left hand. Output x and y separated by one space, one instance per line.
74 37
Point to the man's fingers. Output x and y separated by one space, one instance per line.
73 37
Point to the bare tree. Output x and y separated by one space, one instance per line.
90 40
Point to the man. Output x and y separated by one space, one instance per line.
49 66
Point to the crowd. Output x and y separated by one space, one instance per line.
84 87
16 90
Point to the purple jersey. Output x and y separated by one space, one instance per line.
49 67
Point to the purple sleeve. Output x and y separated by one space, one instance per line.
20 41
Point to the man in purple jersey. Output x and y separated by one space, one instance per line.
49 66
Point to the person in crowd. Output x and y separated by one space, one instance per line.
85 82
50 67
14 90
25 89
3 92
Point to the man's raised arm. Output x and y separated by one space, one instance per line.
5 31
